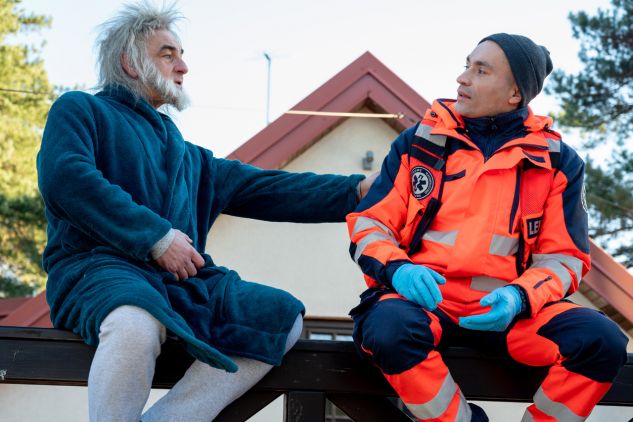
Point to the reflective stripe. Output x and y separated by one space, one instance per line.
464 413
527 417
364 223
447 238
371 237
560 264
553 144
573 263
554 409
437 406
487 284
558 269
424 131
503 245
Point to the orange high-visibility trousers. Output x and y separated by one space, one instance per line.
582 347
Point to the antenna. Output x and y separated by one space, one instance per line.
269 60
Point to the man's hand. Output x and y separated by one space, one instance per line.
418 284
365 184
180 258
506 303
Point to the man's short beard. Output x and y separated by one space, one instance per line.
169 92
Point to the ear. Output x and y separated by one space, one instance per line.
127 67
515 98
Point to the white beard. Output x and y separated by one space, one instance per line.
171 93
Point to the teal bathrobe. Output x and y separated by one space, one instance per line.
116 176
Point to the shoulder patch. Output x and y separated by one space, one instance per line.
422 182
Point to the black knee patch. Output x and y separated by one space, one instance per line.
397 333
591 343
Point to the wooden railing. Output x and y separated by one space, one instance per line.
311 372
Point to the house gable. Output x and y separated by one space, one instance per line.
366 82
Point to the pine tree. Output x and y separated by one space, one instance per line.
599 101
25 97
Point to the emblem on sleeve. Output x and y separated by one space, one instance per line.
583 198
422 182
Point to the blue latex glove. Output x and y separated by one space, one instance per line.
506 303
418 284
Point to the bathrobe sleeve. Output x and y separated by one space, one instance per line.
276 195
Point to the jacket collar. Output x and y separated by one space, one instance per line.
533 146
491 133
503 125
452 120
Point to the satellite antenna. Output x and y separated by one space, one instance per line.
269 60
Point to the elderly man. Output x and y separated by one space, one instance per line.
474 233
129 205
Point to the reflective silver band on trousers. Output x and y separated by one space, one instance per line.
551 408
437 406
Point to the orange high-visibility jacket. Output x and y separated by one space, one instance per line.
518 217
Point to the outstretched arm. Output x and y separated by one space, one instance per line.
276 195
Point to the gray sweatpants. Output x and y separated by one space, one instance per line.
121 374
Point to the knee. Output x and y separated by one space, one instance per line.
132 328
608 344
591 343
294 333
397 335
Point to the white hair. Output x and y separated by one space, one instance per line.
126 34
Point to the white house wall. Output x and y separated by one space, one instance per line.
310 261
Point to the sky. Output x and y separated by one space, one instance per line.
424 42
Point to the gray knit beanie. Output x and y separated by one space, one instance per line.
530 63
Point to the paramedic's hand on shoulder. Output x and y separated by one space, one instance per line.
418 284
505 302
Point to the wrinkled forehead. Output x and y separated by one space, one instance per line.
163 38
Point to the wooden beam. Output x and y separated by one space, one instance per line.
305 406
367 408
47 356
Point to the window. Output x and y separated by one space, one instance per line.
327 329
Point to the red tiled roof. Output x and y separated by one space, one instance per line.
33 312
9 305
